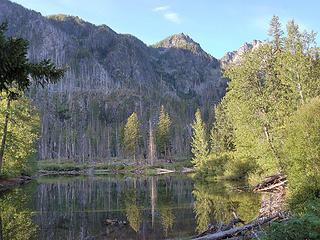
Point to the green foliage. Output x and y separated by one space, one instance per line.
221 135
301 151
133 210
199 143
162 133
238 168
267 86
22 134
213 202
132 135
297 228
17 71
16 215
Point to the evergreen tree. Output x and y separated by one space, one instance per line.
221 134
199 143
163 133
132 136
17 74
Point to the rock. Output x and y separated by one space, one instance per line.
235 56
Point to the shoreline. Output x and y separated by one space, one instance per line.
137 171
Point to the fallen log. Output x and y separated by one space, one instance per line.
234 231
271 183
271 187
233 222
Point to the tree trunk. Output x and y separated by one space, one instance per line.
274 152
4 136
152 148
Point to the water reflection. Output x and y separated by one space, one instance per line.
165 205
155 208
213 203
16 216
133 210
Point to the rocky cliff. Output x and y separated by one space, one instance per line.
111 75
235 56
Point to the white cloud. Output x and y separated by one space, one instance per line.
161 9
168 14
173 17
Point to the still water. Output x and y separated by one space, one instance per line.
159 207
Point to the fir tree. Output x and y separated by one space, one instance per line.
163 133
132 136
199 143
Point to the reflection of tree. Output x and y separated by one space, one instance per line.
165 208
167 218
16 215
214 202
133 211
203 208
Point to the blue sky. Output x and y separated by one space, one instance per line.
219 26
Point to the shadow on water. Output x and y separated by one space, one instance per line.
158 207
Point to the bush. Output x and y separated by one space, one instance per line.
302 155
239 168
305 227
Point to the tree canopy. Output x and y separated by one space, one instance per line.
17 72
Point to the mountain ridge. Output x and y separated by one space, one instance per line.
112 75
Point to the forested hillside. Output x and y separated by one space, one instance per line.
112 75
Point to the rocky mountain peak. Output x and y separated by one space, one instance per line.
235 56
181 41
176 41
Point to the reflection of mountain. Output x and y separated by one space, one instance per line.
213 203
133 210
77 207
111 75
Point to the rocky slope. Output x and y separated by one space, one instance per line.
235 56
111 75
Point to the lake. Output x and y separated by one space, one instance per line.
157 207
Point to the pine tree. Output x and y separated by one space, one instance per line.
199 143
132 136
163 141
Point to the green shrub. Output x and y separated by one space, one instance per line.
62 167
302 155
239 168
107 167
297 228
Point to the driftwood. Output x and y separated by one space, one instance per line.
215 228
113 222
233 222
271 183
113 226
230 233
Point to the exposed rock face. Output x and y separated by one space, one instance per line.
235 56
111 75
